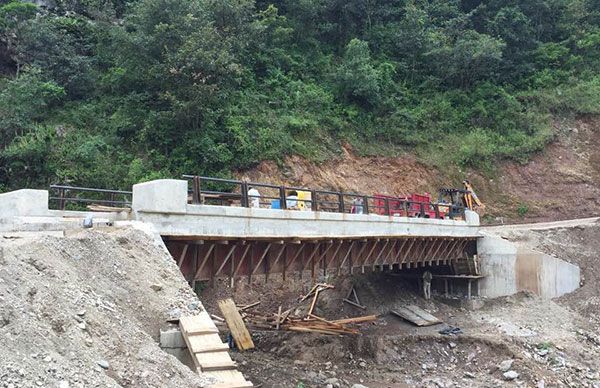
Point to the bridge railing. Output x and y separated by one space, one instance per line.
232 192
74 197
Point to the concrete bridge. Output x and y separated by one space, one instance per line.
211 242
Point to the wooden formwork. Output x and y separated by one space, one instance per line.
202 259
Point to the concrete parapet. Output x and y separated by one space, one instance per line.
163 195
238 222
24 202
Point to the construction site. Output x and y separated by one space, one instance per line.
206 282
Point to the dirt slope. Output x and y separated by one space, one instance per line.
562 182
68 305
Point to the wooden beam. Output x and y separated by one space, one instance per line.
310 257
380 253
182 256
435 254
410 248
262 257
204 260
278 255
244 254
386 256
231 250
375 243
404 241
346 256
325 263
296 255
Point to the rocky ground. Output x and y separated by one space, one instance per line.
85 311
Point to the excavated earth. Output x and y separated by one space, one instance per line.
85 311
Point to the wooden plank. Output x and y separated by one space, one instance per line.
367 318
355 304
416 315
236 325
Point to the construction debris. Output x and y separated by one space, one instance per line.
310 322
416 315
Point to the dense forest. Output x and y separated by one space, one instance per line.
106 93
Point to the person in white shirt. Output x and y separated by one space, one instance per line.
253 197
291 201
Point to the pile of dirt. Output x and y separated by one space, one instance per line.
85 311
562 182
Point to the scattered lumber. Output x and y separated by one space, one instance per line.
249 306
287 320
236 325
367 318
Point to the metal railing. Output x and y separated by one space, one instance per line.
61 196
231 192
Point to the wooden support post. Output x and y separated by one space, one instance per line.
244 254
213 278
195 271
298 252
348 252
387 241
326 264
278 255
262 258
446 287
469 290
410 247
375 243
226 259
204 260
182 256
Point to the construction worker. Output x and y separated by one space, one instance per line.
291 201
427 276
254 197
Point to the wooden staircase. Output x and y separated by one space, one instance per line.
209 353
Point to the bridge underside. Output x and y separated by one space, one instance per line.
204 259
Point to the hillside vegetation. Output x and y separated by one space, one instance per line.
110 92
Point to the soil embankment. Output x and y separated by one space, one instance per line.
562 182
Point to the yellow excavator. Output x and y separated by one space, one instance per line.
456 199
471 200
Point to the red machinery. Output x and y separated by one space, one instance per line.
415 205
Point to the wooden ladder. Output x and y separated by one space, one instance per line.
209 353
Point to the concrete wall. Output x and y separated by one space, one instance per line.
509 268
497 258
545 275
24 203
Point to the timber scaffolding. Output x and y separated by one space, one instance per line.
211 259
